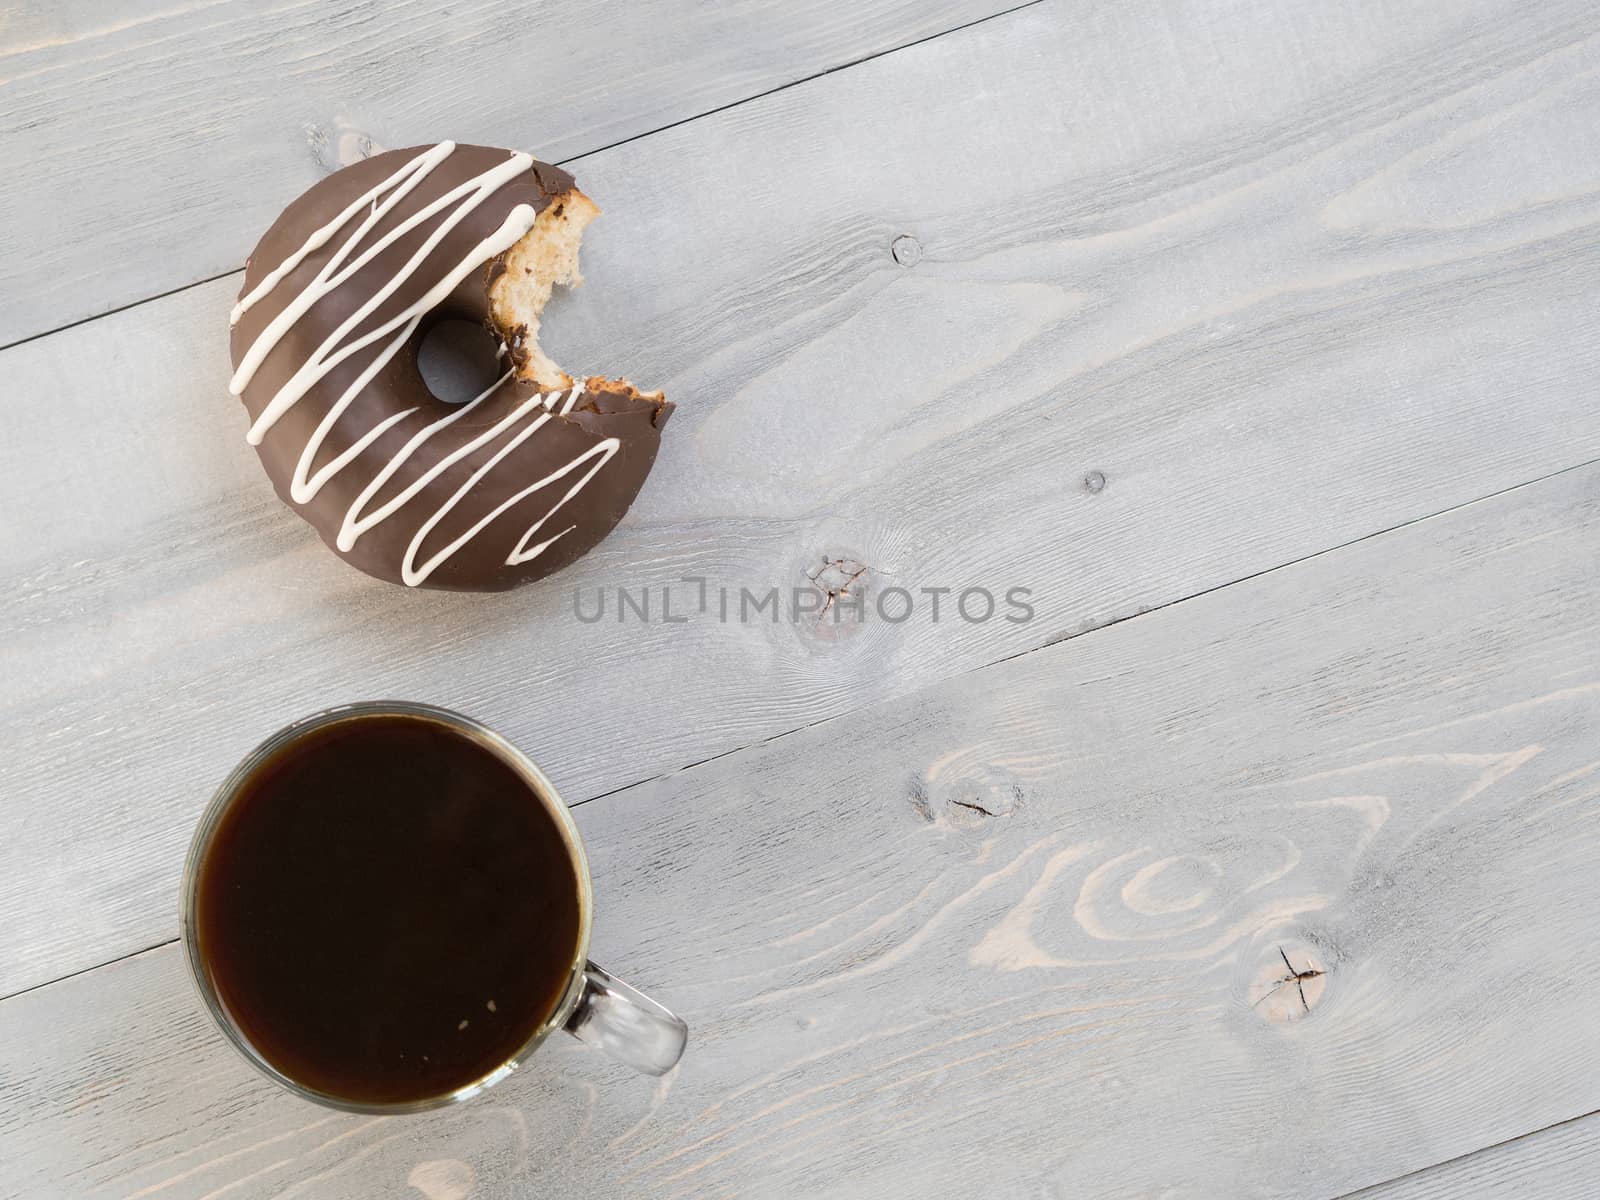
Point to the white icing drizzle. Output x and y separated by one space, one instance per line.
304 486
413 575
335 349
420 165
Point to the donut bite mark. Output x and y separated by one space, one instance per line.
522 279
337 299
520 284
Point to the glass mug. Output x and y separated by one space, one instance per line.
593 1006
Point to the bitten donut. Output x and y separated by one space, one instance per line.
337 298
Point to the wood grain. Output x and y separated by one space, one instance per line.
1559 1163
1268 315
146 144
1024 933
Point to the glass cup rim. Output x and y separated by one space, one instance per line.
503 749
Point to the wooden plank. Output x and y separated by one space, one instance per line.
146 144
1258 327
1023 934
1559 1163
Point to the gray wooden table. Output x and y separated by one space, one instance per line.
1257 339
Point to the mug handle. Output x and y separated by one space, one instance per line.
626 1024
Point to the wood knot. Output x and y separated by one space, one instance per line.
835 578
835 608
1289 981
970 798
907 251
338 144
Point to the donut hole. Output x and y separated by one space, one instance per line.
458 360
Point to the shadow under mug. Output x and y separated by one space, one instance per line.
595 1007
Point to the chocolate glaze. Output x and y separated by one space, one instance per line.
603 410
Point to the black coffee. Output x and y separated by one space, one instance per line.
387 911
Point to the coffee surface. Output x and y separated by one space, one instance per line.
387 911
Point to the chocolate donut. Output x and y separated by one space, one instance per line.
338 297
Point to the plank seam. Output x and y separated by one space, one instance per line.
1445 1162
110 962
1073 635
1293 562
570 159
